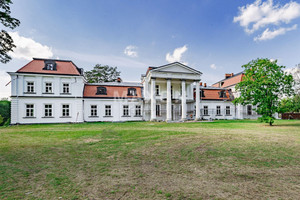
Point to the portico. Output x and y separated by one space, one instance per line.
171 93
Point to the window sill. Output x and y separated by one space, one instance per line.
29 117
65 117
126 116
138 115
65 93
219 115
47 93
48 117
206 115
108 116
228 115
29 92
93 116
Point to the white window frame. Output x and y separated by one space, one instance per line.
68 88
227 110
205 110
68 109
108 110
51 87
30 89
126 110
218 110
94 110
138 110
31 110
46 110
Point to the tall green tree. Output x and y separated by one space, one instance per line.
6 42
291 104
264 84
101 73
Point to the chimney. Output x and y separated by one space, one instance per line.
119 80
204 84
232 74
228 75
200 83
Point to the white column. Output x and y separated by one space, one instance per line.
169 101
183 100
197 100
153 100
146 89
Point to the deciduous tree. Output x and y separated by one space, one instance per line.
102 74
264 84
6 42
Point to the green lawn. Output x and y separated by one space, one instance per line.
145 160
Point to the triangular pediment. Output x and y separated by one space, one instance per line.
176 67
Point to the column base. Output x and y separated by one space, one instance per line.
197 119
168 120
153 120
183 119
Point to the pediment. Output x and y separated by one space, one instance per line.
176 68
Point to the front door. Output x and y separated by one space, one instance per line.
173 112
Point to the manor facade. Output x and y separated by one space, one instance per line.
55 91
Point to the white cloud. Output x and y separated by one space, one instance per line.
213 66
259 14
131 51
5 89
177 54
268 35
27 48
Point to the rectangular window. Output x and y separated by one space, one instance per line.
157 110
48 110
30 87
66 88
205 110
48 87
218 110
157 90
65 110
249 110
125 110
227 110
29 110
138 110
107 110
94 110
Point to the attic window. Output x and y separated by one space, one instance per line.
50 65
222 94
131 92
101 90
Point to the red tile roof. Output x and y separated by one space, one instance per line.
62 67
211 93
112 91
230 81
214 95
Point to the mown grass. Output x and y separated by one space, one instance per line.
145 160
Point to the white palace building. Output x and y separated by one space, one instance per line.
55 91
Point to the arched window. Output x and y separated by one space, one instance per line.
131 92
101 90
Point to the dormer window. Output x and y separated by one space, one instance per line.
222 94
101 91
50 65
131 92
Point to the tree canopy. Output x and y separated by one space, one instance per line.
291 104
264 84
101 73
6 42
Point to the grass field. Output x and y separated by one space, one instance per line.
145 160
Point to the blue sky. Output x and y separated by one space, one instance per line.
212 36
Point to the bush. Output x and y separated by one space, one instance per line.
4 111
